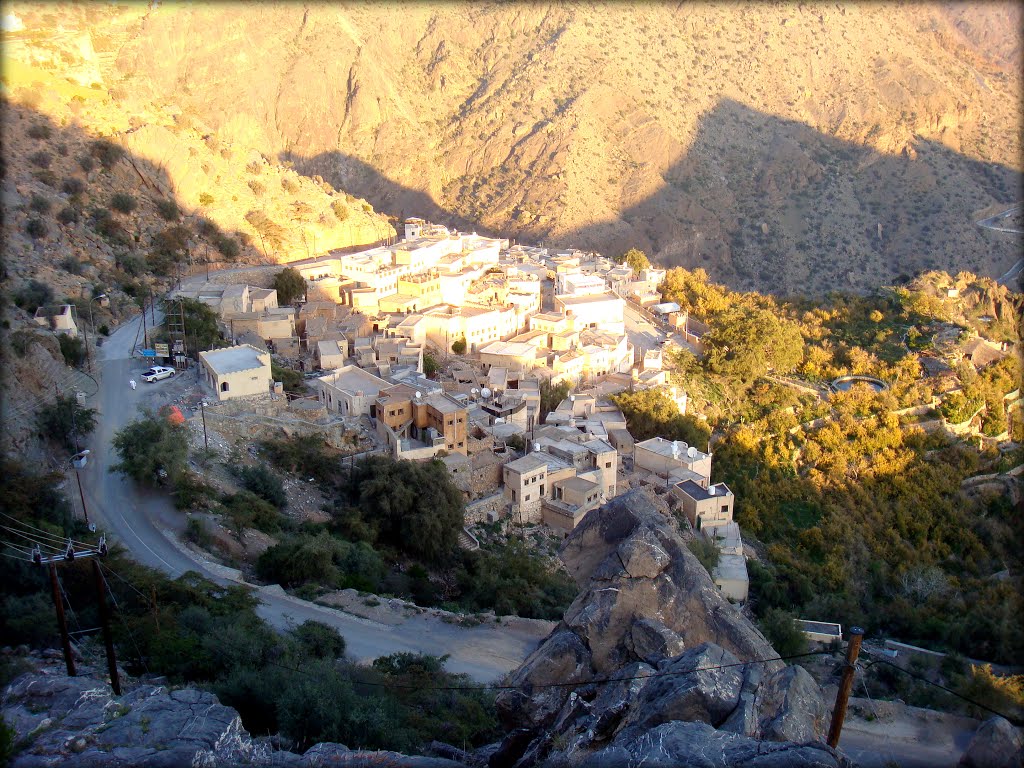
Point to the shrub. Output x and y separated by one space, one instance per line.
152 450
104 329
36 228
290 285
254 167
39 203
45 176
340 210
168 210
40 158
205 198
73 186
72 348
319 641
33 295
68 215
781 630
227 246
61 420
247 510
257 188
39 131
705 551
106 152
123 202
71 265
86 163
288 185
459 346
265 484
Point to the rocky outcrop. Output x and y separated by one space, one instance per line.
652 665
76 722
996 744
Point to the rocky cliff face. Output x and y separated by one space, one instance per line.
651 665
764 143
77 722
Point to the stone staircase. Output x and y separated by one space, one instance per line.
468 541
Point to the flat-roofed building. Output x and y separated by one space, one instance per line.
525 482
730 575
241 371
601 310
705 507
351 391
331 354
661 456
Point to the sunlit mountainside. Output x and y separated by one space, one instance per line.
785 148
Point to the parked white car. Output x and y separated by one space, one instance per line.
158 372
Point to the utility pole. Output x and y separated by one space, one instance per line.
202 410
845 686
62 624
108 640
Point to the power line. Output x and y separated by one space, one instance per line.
128 629
40 544
47 534
576 684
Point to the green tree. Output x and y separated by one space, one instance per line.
61 420
290 378
459 346
782 632
635 259
152 450
123 202
290 285
33 295
265 484
201 326
747 342
652 413
430 365
72 348
550 396
319 640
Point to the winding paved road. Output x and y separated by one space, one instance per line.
147 525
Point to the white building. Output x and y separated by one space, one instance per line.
241 371
351 391
604 311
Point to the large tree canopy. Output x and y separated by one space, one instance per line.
290 285
747 342
152 449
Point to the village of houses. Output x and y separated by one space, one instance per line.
524 314
501 318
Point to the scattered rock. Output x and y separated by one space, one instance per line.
996 744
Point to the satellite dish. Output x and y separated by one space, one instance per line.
485 392
691 452
419 395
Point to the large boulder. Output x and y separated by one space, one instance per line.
652 646
675 744
996 744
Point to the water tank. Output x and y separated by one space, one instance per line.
536 447
419 395
711 491
485 393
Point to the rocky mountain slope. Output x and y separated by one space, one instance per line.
806 147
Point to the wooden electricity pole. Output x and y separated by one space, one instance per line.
845 686
108 640
62 623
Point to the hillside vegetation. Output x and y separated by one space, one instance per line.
779 147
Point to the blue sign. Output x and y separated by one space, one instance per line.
149 353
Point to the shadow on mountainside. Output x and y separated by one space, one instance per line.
359 178
807 212
766 203
85 211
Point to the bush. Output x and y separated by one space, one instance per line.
33 295
257 188
39 203
319 641
247 510
205 198
705 550
86 163
123 202
36 228
168 210
72 348
68 215
73 186
265 484
71 265
41 159
45 176
39 131
340 210
289 377
106 152
227 246
459 346
254 167
290 285
430 365
62 419
780 628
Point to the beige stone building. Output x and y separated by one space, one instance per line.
241 371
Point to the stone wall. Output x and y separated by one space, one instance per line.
496 504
